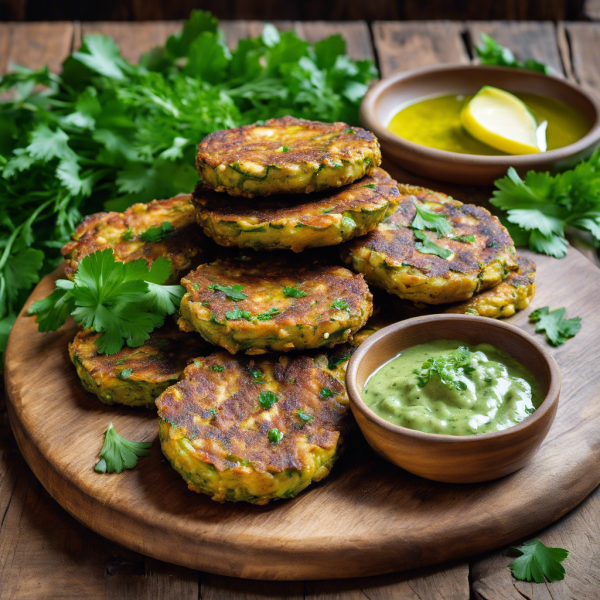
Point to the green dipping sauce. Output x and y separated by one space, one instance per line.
453 388
436 123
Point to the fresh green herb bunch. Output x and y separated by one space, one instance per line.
540 207
448 367
107 133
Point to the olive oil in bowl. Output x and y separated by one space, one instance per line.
436 123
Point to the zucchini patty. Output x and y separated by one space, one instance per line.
481 252
289 222
160 228
253 430
286 156
503 300
135 376
274 303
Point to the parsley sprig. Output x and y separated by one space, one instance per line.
425 246
538 561
118 453
428 219
540 207
124 302
558 329
448 367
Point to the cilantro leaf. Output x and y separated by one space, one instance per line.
123 301
304 417
490 52
426 246
156 234
293 292
257 375
266 316
558 329
51 313
428 219
232 293
465 239
100 54
326 392
237 313
217 368
538 561
275 436
541 206
118 453
267 399
339 304
450 368
334 361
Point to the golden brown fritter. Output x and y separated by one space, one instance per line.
135 376
504 300
297 223
121 231
393 258
253 430
286 156
274 303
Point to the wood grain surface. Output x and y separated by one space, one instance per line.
53 556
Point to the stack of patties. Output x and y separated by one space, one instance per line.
265 416
440 255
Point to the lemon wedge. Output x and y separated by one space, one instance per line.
502 121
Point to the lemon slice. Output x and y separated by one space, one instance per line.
502 121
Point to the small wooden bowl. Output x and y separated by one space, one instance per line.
449 458
385 98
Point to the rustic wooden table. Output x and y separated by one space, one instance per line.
45 553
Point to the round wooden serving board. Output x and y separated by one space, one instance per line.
367 518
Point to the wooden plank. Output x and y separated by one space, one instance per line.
4 46
401 46
133 38
445 582
216 587
584 41
356 34
526 39
498 9
45 553
34 45
579 532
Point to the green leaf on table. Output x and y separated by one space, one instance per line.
558 329
119 453
538 561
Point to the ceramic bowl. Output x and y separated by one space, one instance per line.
387 96
449 458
